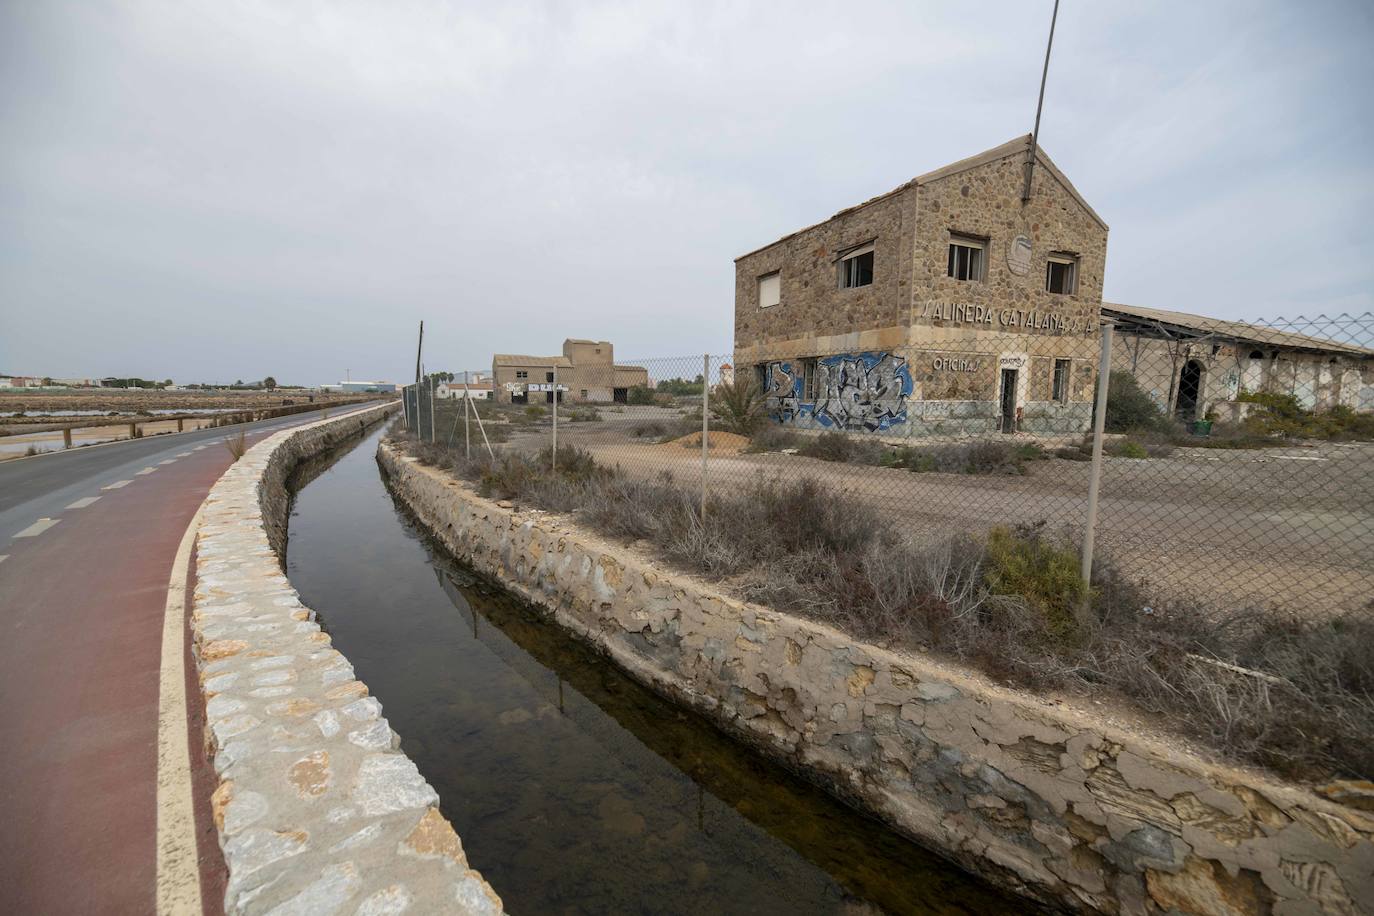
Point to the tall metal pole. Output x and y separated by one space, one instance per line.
555 416
1104 371
467 431
419 348
1039 105
705 425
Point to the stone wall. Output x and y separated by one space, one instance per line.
317 809
1045 799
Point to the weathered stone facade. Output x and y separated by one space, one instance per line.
1047 799
317 809
968 355
585 372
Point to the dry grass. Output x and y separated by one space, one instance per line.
1004 602
237 444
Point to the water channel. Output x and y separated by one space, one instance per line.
574 789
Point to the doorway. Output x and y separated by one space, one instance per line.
1189 390
1008 412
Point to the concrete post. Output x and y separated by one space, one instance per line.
555 416
705 425
67 437
181 424
1104 371
133 430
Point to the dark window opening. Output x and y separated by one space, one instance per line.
1061 381
857 270
809 381
521 373
1060 274
965 259
548 376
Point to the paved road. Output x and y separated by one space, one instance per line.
87 542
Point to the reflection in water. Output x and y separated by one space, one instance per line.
574 789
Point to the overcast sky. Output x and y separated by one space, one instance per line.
223 190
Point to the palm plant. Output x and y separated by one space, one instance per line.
739 405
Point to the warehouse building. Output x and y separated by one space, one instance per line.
1194 366
585 372
947 305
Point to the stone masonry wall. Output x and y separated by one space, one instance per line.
1042 798
317 809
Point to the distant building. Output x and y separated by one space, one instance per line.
585 372
1192 365
479 390
364 387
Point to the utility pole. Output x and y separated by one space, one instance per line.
1039 105
419 348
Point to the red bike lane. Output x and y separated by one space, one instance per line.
82 606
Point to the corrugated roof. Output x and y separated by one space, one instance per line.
1018 146
1233 330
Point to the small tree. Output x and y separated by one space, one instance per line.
269 383
739 405
1130 407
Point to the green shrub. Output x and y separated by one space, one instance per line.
641 395
1045 575
1130 407
535 412
584 415
653 430
1281 415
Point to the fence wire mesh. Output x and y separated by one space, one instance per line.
1237 470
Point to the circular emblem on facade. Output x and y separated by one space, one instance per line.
1019 255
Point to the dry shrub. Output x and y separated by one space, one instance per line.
1005 602
237 444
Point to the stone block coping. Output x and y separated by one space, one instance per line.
318 811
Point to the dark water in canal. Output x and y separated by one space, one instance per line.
574 789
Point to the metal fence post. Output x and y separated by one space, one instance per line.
555 416
467 432
432 436
705 425
1104 371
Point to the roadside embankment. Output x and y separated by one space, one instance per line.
1054 802
316 806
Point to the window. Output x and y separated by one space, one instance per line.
548 376
584 394
966 257
810 387
770 289
1061 273
521 373
1061 381
856 267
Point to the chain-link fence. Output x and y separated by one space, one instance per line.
1234 467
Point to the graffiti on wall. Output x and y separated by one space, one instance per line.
853 391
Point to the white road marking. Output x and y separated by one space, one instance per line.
38 527
197 448
83 502
117 484
183 454
144 471
178 867
1298 458
168 461
4 557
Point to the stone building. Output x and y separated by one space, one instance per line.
585 372
947 305
1193 366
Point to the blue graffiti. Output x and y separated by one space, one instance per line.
853 391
